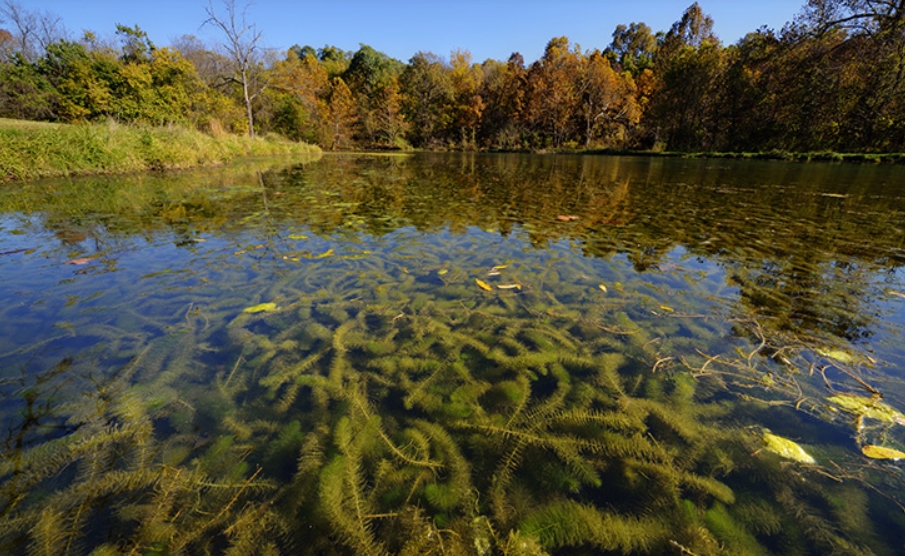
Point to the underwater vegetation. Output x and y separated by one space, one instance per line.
415 382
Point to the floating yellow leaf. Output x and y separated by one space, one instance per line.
509 286
881 452
667 308
261 307
500 267
786 448
298 236
872 408
602 288
324 255
483 285
442 271
837 355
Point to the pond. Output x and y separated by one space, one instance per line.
455 354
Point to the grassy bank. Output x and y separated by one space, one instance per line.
30 150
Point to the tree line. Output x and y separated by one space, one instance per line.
831 79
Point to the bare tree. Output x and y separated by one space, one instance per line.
242 45
34 31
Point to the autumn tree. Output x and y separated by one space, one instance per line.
300 86
608 104
340 116
553 93
468 105
504 90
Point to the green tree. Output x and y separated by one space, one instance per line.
427 98
136 45
633 47
693 29
25 93
370 77
689 67
83 80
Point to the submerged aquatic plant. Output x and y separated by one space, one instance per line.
382 362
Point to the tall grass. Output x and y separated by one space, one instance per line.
29 150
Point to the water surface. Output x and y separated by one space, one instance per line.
455 354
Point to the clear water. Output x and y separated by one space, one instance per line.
455 354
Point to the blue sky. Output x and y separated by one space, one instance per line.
400 28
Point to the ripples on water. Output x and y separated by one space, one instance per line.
460 354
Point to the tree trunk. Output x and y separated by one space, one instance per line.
251 121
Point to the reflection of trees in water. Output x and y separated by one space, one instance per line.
803 243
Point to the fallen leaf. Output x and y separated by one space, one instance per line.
298 236
499 267
81 260
881 452
566 217
667 308
895 293
786 448
483 285
602 288
442 271
509 286
837 355
261 308
872 408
